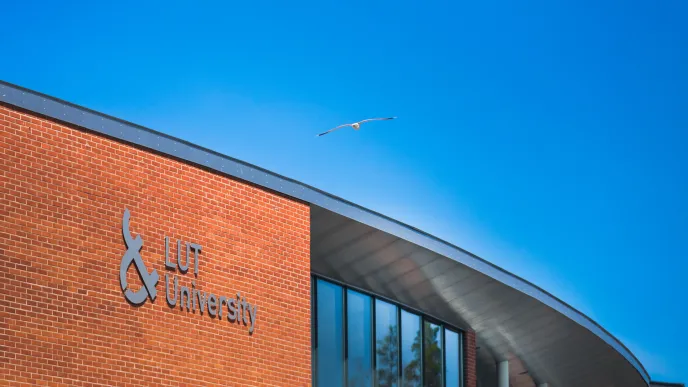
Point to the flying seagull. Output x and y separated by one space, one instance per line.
356 125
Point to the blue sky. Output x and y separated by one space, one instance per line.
547 137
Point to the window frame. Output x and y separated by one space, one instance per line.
314 332
422 347
460 337
371 300
424 317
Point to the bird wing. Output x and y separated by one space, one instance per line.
333 129
377 119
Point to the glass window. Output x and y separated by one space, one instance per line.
410 349
330 338
386 344
360 339
432 355
452 365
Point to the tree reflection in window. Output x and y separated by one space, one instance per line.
387 358
410 349
387 344
432 355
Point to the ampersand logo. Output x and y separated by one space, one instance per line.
132 255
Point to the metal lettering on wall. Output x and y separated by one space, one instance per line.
190 298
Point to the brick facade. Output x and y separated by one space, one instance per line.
64 320
470 371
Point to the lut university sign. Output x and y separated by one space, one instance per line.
238 310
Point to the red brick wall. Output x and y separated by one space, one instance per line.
470 375
63 317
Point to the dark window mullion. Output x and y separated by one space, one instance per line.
444 356
345 314
399 362
374 338
422 351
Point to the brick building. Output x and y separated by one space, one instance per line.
133 258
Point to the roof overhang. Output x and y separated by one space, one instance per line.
544 339
513 319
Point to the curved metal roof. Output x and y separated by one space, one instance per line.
513 318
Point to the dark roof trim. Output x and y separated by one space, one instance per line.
63 111
654 383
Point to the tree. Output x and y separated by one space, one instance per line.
411 371
432 357
358 372
388 358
